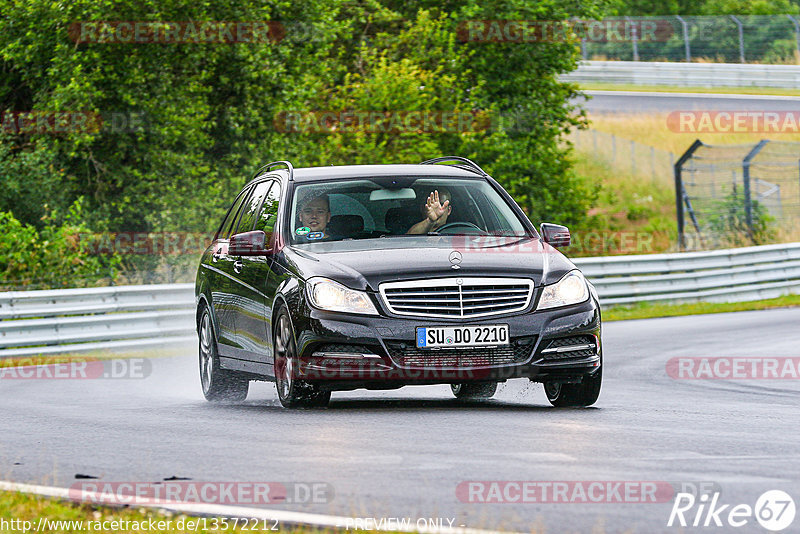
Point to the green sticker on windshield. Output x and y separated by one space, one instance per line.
303 230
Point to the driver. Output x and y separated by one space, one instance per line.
314 215
434 211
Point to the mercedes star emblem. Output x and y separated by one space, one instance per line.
455 259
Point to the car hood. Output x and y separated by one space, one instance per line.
365 264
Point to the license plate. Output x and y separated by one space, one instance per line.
434 337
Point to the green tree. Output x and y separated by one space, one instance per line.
56 255
206 112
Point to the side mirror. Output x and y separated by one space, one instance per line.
248 244
555 235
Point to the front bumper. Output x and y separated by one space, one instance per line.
341 351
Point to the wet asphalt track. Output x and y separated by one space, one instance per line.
402 453
646 102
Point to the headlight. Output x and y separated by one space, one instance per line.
332 296
571 289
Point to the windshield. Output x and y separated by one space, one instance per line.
399 207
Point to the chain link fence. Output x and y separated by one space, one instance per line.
738 195
724 39
625 155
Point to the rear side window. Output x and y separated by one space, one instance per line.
269 210
250 207
225 229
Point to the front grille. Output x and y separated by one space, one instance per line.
457 297
407 355
571 341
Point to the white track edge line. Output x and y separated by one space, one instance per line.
219 510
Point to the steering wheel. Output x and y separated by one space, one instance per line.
461 224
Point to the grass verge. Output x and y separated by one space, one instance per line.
656 130
65 516
653 129
599 86
632 214
89 356
647 310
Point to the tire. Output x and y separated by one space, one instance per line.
292 392
474 390
218 384
570 395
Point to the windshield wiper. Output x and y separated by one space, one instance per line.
399 235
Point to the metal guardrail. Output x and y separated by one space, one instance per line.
686 74
729 275
103 318
137 317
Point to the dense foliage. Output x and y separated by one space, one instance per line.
185 124
54 255
175 129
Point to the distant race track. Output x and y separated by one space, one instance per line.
654 102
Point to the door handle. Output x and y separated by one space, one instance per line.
237 265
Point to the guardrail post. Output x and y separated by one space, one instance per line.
748 205
741 37
685 38
679 195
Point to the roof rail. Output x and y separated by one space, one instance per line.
269 167
461 163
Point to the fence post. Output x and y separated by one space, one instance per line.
741 37
685 38
613 149
679 196
796 34
713 180
633 158
748 205
672 160
653 163
634 40
594 140
583 48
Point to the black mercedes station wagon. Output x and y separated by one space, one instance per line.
381 276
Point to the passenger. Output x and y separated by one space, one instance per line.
434 211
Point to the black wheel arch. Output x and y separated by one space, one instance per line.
203 302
